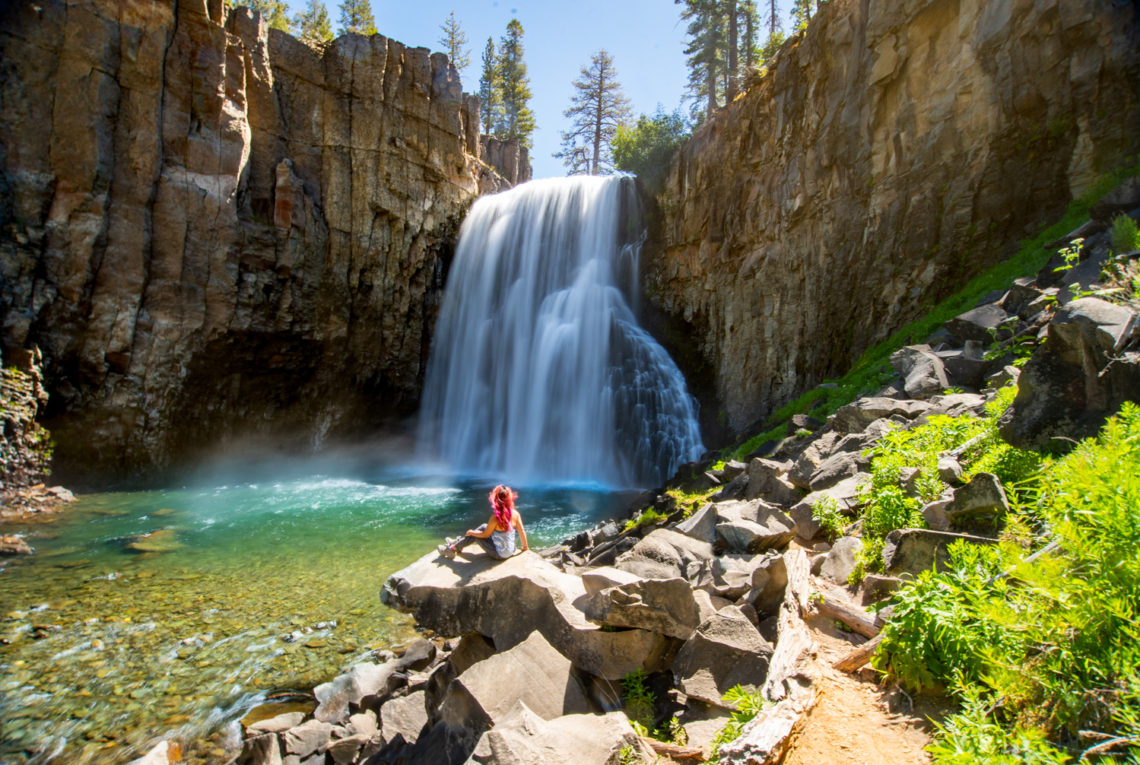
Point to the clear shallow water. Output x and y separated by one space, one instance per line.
109 647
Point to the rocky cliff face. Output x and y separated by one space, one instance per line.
891 152
212 231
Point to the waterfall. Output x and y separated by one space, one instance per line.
539 372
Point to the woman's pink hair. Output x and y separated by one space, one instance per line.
503 503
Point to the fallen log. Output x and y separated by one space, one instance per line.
866 624
673 751
860 656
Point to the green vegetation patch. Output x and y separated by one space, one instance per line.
1042 651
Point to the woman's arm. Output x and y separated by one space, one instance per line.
487 529
522 531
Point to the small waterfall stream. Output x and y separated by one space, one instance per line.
539 372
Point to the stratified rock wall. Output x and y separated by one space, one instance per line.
211 230
893 151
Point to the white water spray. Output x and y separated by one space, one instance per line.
539 372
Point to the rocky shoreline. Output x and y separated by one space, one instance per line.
530 659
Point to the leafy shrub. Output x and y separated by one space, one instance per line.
1040 647
827 513
746 704
1124 236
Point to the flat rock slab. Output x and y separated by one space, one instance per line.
753 526
858 415
726 650
524 737
506 601
665 606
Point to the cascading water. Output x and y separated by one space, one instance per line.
539 372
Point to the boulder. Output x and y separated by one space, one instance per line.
811 458
981 324
334 698
364 723
533 672
734 489
276 724
1076 379
949 470
982 497
404 716
934 513
262 749
912 551
846 494
665 554
833 470
701 525
418 655
964 368
508 600
732 574
856 416
923 372
525 737
348 749
1123 198
958 405
767 479
665 606
840 561
726 650
1023 292
310 737
472 649
769 579
752 527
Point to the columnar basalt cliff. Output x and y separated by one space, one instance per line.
891 152
212 231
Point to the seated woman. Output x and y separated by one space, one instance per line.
497 535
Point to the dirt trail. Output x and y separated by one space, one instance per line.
856 720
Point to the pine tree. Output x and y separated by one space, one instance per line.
802 11
490 90
518 119
597 108
274 12
454 42
748 23
313 25
707 31
356 16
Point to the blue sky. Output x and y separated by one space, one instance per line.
645 37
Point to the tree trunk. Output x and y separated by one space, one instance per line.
730 85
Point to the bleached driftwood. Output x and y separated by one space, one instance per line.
794 645
866 624
766 737
860 656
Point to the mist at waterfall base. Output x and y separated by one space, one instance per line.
539 373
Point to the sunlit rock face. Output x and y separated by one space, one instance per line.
892 152
213 231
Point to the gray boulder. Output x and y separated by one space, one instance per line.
726 650
665 554
767 479
508 600
964 368
532 672
308 738
811 458
949 469
665 606
525 737
980 324
859 414
840 561
912 551
752 527
1076 379
769 580
701 525
982 498
404 716
334 698
923 372
846 494
833 470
